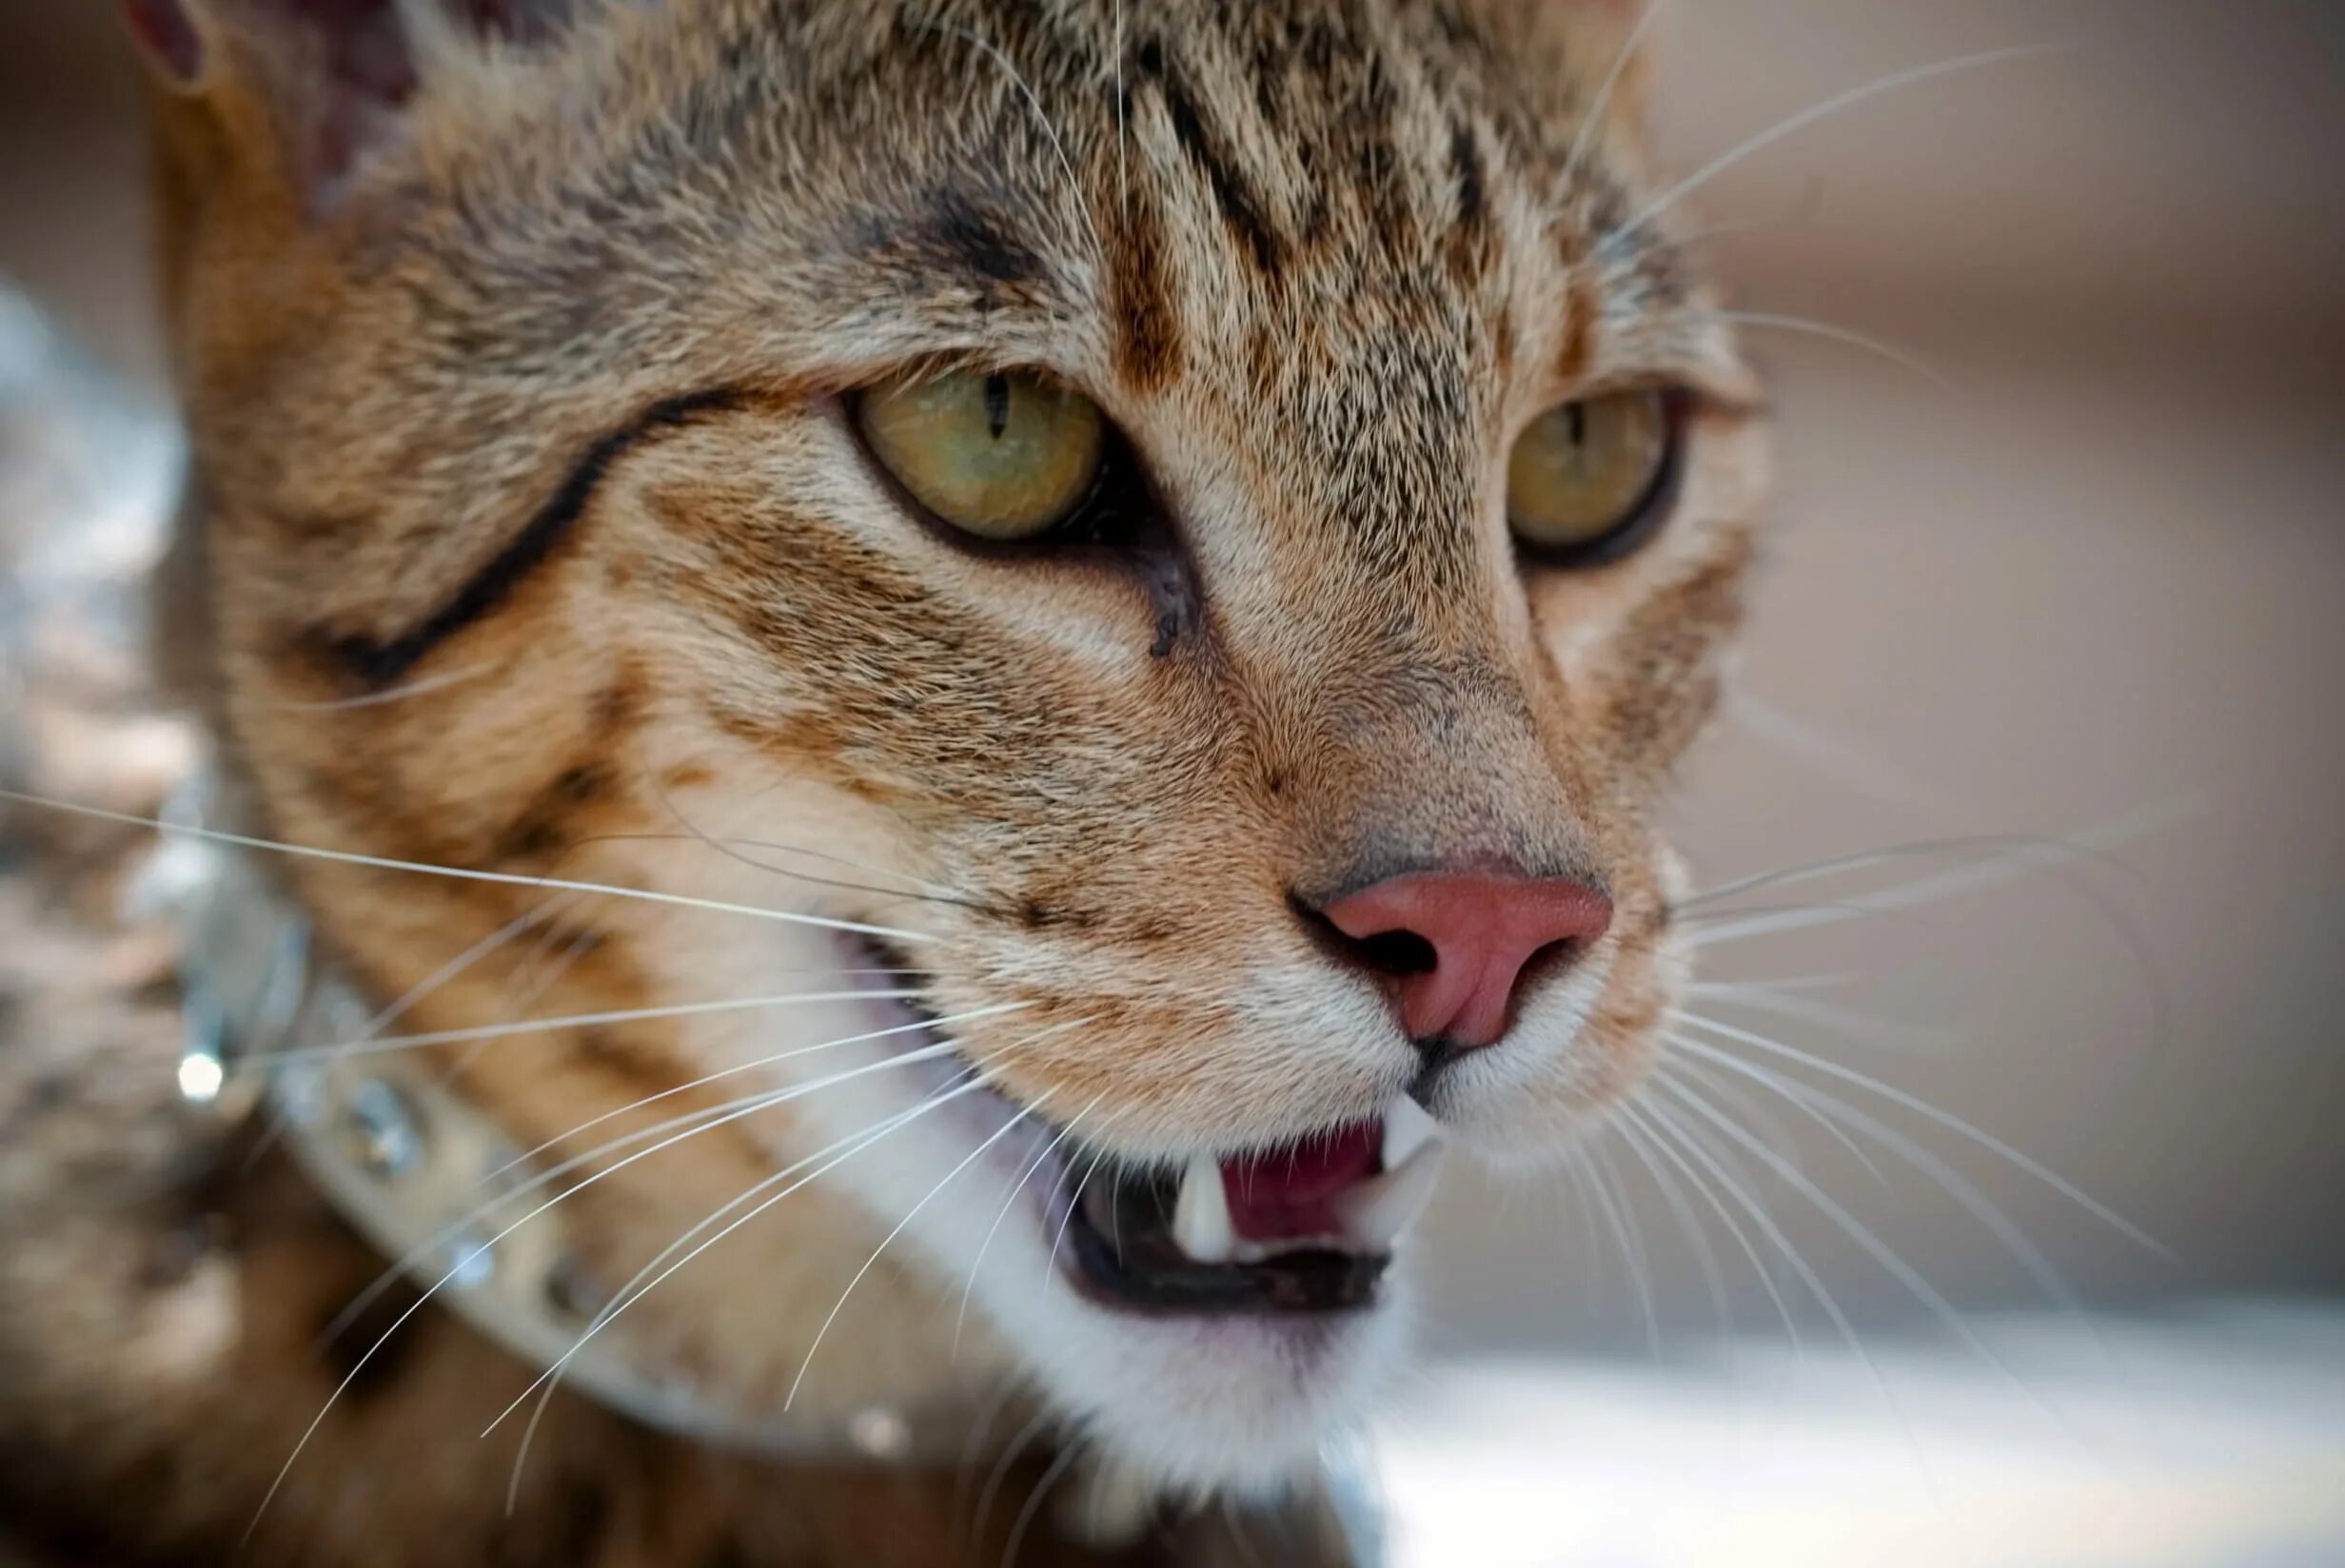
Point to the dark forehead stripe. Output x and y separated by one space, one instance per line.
1242 209
1141 294
956 235
1471 244
1466 167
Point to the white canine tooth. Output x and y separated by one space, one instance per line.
1408 1127
1376 1212
1201 1216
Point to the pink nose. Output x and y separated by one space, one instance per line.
1483 930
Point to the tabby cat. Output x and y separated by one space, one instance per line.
1049 633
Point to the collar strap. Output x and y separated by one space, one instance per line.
429 1178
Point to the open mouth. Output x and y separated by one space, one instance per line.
1308 1228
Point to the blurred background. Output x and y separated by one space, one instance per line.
2077 578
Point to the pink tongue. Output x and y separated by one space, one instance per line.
1285 1194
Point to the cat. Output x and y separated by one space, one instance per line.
1057 628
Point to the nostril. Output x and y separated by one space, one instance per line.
1555 956
1389 953
1395 952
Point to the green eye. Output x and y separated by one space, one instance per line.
1583 472
1005 456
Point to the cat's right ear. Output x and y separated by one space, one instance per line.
297 97
169 35
313 94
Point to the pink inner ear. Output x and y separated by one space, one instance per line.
346 69
523 21
166 33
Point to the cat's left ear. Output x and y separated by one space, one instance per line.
322 87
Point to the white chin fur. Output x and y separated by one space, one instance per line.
1232 1404
1222 1405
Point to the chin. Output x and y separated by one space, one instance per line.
1236 1404
1208 1325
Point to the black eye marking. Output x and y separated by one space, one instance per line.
378 663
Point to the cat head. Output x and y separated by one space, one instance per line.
1173 547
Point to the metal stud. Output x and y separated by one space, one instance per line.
380 1129
573 1291
201 1070
472 1260
299 1090
878 1433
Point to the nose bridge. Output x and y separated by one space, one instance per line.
1426 753
1390 708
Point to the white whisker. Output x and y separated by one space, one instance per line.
927 1053
1990 848
757 1101
1600 101
1025 89
1002 1466
1609 1204
1801 121
1830 980
1074 1202
1050 1477
1946 1119
401 1005
751 1107
1806 741
1783 1090
1849 1226
830 1157
962 1316
966 1161
1843 1021
2025 856
364 1046
1633 1117
432 1246
1716 1163
396 693
1902 359
1997 1223
511 880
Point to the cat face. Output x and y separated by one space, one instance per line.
1164 866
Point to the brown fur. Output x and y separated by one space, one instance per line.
535 411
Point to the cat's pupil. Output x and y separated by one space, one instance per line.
1577 414
997 405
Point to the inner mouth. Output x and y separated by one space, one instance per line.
1308 1227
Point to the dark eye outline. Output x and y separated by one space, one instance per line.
1119 512
1643 522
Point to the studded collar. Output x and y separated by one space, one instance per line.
429 1178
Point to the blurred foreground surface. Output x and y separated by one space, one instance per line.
2201 1438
